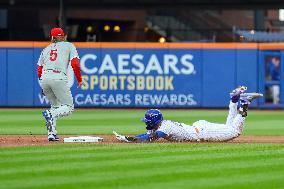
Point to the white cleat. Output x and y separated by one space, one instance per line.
53 137
248 97
245 100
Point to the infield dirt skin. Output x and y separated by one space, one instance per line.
41 140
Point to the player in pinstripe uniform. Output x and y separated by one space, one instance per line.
201 130
52 72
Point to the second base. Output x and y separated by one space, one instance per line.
83 139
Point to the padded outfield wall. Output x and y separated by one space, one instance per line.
136 74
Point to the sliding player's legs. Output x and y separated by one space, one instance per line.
238 123
214 131
233 106
235 120
230 130
245 100
233 112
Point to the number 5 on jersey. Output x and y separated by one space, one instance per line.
53 55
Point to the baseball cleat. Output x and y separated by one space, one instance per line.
49 120
248 97
245 100
235 94
52 137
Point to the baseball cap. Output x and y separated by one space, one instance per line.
56 32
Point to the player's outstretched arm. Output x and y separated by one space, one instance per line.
120 137
149 137
156 135
146 137
138 138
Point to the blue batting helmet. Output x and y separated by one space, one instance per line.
152 118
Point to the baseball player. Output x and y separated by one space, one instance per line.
52 73
201 130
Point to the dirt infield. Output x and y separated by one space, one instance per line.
41 140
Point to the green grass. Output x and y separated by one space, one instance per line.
141 166
30 121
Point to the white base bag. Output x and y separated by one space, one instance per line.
83 139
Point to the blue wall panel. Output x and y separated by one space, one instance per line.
3 77
192 83
247 69
218 76
215 73
126 95
20 77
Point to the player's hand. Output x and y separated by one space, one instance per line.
120 137
80 84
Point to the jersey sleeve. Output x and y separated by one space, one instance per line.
73 52
150 136
40 60
143 137
160 134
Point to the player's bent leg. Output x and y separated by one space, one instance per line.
64 97
233 106
245 100
233 111
214 132
238 123
61 111
221 132
217 132
239 120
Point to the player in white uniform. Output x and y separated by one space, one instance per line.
199 131
52 72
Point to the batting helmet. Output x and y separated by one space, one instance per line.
55 32
152 118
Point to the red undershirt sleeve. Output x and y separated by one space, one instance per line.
76 68
39 71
